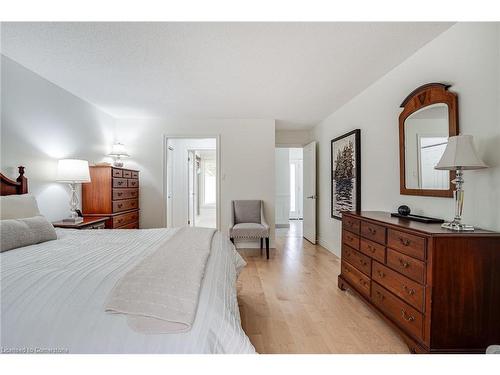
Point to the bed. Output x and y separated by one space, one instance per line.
53 294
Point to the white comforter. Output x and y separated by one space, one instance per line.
53 296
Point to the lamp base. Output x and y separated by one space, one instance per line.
73 220
457 226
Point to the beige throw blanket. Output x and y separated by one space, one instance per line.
160 294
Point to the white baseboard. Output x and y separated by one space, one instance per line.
282 225
252 245
329 245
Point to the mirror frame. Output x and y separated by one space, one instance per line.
421 97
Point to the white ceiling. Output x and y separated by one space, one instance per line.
296 73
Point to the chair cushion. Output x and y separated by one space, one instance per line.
247 211
249 230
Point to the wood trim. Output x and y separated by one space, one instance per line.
421 97
11 187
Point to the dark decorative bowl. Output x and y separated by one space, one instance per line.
404 210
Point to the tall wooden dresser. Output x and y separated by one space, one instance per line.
439 289
112 192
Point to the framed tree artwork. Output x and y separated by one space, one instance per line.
346 174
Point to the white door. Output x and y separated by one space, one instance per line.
309 189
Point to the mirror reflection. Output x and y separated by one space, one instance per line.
426 136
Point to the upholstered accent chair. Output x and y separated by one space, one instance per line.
248 222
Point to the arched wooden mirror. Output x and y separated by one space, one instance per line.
429 117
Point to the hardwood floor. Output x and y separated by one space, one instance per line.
291 303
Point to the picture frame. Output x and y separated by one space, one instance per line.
345 170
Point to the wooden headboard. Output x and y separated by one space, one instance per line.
10 187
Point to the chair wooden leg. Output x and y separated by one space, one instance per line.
261 243
267 247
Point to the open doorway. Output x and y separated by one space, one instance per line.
289 187
192 182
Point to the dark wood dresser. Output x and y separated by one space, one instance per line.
112 192
439 289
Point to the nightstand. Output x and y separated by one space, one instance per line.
93 222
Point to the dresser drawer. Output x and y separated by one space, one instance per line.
409 244
127 174
406 289
405 316
119 182
130 226
133 183
350 224
373 232
135 174
372 249
408 266
125 193
116 172
350 239
358 280
130 217
124 205
356 259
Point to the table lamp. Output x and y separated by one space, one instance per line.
459 155
118 151
73 171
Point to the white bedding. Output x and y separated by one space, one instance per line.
53 296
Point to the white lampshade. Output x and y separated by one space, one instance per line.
73 171
118 149
460 153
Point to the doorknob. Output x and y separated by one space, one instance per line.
311 197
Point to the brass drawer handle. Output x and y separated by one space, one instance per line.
405 316
371 230
403 264
120 205
371 248
120 194
347 270
363 262
362 282
380 273
404 241
380 296
410 291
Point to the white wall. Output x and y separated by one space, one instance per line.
466 56
282 185
247 161
293 138
180 175
42 123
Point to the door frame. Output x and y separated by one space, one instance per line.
166 137
299 196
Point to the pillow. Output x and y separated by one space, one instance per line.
18 206
16 233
